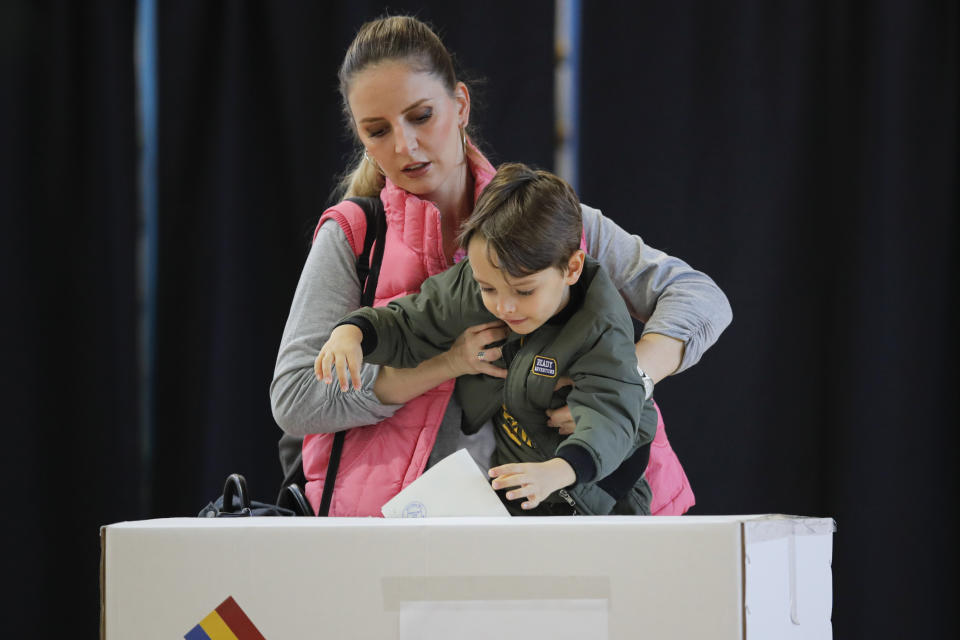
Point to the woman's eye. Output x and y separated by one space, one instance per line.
376 133
423 117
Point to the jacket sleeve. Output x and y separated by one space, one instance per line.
665 293
327 290
417 327
607 403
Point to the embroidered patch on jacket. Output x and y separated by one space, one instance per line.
513 428
546 367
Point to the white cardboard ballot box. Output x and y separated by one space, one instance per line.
717 577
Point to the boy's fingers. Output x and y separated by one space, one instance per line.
520 492
355 372
325 368
341 371
501 470
505 479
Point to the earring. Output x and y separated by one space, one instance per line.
368 158
463 141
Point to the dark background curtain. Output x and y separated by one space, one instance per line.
802 154
68 196
805 156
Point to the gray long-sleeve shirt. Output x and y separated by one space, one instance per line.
663 292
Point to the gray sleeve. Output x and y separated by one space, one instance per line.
327 291
663 292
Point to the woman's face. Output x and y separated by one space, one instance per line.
410 124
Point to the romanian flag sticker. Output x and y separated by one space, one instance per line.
226 622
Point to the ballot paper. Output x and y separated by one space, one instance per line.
455 486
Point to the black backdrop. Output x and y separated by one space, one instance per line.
803 154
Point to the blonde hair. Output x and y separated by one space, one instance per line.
389 38
363 181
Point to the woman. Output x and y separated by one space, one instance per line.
410 114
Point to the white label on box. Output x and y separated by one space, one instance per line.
559 619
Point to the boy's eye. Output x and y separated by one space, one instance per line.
528 292
486 289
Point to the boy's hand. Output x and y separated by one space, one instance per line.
534 480
343 351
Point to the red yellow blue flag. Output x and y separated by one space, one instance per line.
226 622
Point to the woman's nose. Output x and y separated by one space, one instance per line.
406 140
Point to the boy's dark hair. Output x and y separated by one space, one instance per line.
530 219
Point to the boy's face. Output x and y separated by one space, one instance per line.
523 303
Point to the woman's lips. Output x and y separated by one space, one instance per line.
416 169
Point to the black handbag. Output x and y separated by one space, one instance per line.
236 503
368 271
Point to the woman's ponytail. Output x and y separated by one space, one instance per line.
363 181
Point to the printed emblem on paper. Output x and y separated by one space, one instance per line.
414 510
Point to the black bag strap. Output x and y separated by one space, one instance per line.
368 271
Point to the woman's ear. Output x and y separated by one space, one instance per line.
462 97
574 267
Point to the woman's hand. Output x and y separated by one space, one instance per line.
534 481
561 418
469 354
396 386
343 351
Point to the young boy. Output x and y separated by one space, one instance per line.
526 268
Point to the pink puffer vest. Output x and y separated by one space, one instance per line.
381 459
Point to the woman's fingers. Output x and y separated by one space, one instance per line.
492 370
490 354
562 420
487 326
487 333
489 336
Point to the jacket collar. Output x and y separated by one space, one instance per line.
417 221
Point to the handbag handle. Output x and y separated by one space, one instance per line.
292 498
236 485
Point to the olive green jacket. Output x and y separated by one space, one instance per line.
593 346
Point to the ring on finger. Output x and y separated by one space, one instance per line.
480 355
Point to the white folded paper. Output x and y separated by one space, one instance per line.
455 486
